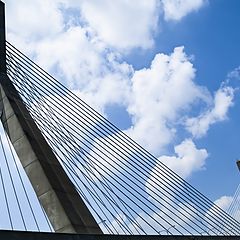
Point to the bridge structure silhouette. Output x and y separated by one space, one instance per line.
92 181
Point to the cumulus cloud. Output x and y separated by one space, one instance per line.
223 100
108 156
78 53
158 96
235 74
161 188
123 24
83 52
230 204
224 202
177 9
97 77
32 20
109 88
188 159
79 58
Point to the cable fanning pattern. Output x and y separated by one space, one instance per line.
19 208
127 190
234 208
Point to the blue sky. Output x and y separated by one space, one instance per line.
158 70
211 35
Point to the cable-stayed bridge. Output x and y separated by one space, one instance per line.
88 176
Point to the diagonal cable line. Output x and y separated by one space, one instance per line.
19 205
234 209
119 180
163 168
6 198
12 184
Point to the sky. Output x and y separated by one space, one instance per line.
166 72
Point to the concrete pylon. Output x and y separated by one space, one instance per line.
63 205
238 164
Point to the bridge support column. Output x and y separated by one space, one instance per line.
63 205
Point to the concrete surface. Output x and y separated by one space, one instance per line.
58 196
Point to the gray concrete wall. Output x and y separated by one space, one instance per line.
33 168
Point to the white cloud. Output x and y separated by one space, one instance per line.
188 159
72 54
123 24
108 156
34 20
224 202
233 78
93 72
230 204
112 87
235 74
160 186
85 61
120 24
158 98
84 56
223 100
177 9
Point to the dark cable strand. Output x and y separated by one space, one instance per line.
5 196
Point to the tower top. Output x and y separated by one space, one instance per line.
238 164
2 39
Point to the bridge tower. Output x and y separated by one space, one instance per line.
128 190
63 205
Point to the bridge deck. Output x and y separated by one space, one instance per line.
19 235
